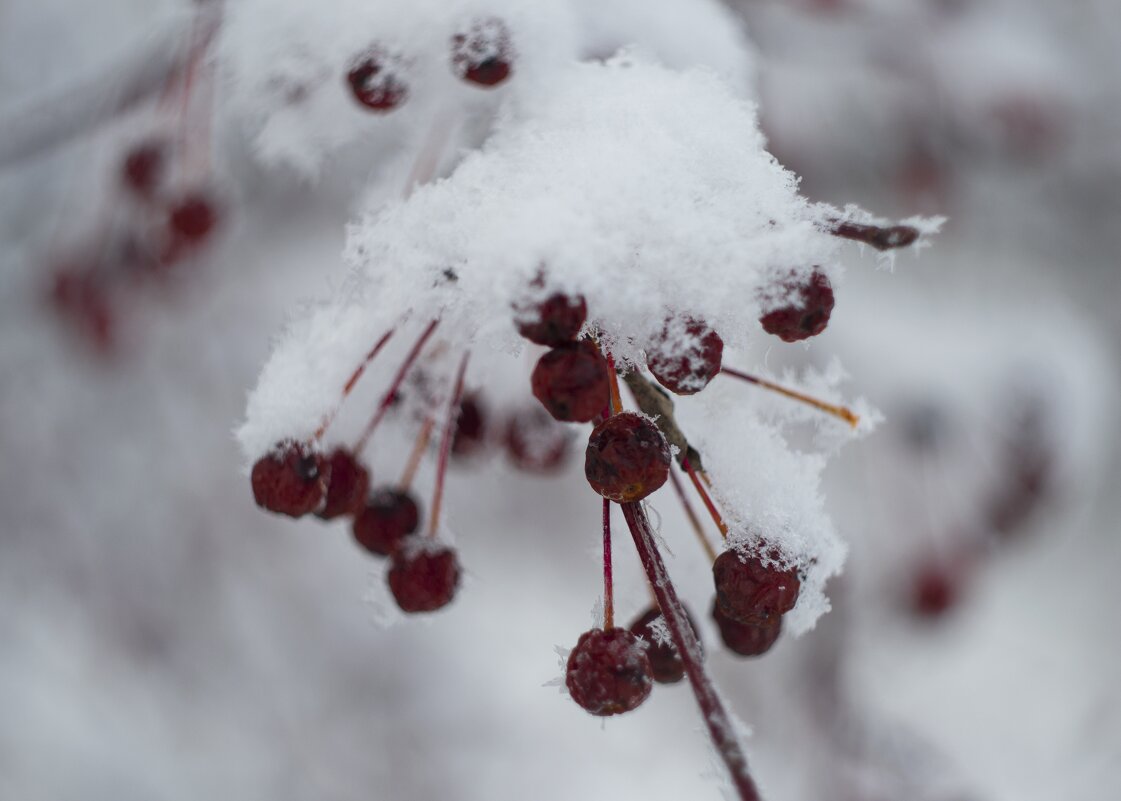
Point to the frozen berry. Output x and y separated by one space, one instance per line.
685 356
747 639
608 672
553 321
191 219
423 577
627 459
807 315
749 591
470 427
291 479
665 662
535 442
482 54
377 79
934 590
389 516
143 168
571 382
346 489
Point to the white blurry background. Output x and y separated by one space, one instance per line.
163 638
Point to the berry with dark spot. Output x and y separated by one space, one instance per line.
554 321
471 426
388 517
608 672
627 459
685 356
807 315
483 54
747 639
749 591
347 487
665 662
572 383
535 442
423 577
377 79
143 168
291 479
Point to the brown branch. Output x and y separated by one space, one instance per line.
657 404
878 236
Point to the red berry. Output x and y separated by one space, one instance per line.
665 662
84 301
935 590
470 427
807 316
627 459
483 54
423 577
748 591
553 321
143 168
291 480
377 79
389 516
535 442
685 356
608 672
571 382
347 486
191 219
747 639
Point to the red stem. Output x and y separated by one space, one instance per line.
391 393
720 725
698 529
712 510
446 446
361 368
608 588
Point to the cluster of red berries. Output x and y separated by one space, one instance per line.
481 54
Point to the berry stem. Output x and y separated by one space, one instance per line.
694 521
712 510
878 236
616 402
349 385
608 588
841 412
719 723
391 393
428 159
418 453
446 446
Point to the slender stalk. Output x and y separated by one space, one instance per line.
418 453
700 486
361 368
616 402
391 393
446 446
694 521
842 412
878 236
608 588
720 726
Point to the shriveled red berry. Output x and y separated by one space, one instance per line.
388 517
665 662
807 315
571 382
192 218
685 356
608 672
423 577
347 487
470 427
143 168
627 459
377 79
748 591
747 639
553 321
535 442
291 479
483 53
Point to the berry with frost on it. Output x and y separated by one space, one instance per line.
666 664
572 383
749 591
423 576
608 672
483 53
554 321
377 79
627 458
805 317
291 479
685 356
388 517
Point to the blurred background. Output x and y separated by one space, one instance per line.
165 639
